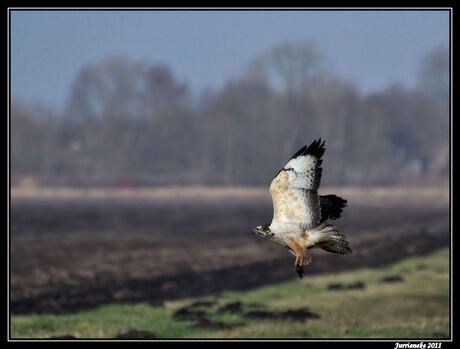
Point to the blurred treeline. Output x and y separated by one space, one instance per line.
132 123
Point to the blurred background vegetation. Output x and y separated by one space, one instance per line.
130 123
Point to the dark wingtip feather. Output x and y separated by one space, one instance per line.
316 148
332 206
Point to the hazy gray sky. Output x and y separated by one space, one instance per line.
205 48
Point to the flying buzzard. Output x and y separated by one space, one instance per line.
300 215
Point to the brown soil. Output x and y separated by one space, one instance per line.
293 315
135 334
72 254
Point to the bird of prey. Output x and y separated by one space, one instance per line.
300 214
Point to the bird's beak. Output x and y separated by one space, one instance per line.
254 231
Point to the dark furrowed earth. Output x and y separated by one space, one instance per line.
73 254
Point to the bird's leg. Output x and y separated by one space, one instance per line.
298 266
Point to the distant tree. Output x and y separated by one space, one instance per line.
256 72
409 131
119 87
329 105
24 133
162 91
108 89
434 76
34 136
130 119
292 63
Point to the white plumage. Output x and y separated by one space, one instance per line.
299 213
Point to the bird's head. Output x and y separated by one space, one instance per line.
263 230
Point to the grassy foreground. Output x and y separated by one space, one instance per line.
412 303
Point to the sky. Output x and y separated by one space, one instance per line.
206 48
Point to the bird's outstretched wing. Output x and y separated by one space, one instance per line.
294 190
331 206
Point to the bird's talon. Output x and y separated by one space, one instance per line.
299 270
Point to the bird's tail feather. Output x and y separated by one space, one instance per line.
335 241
